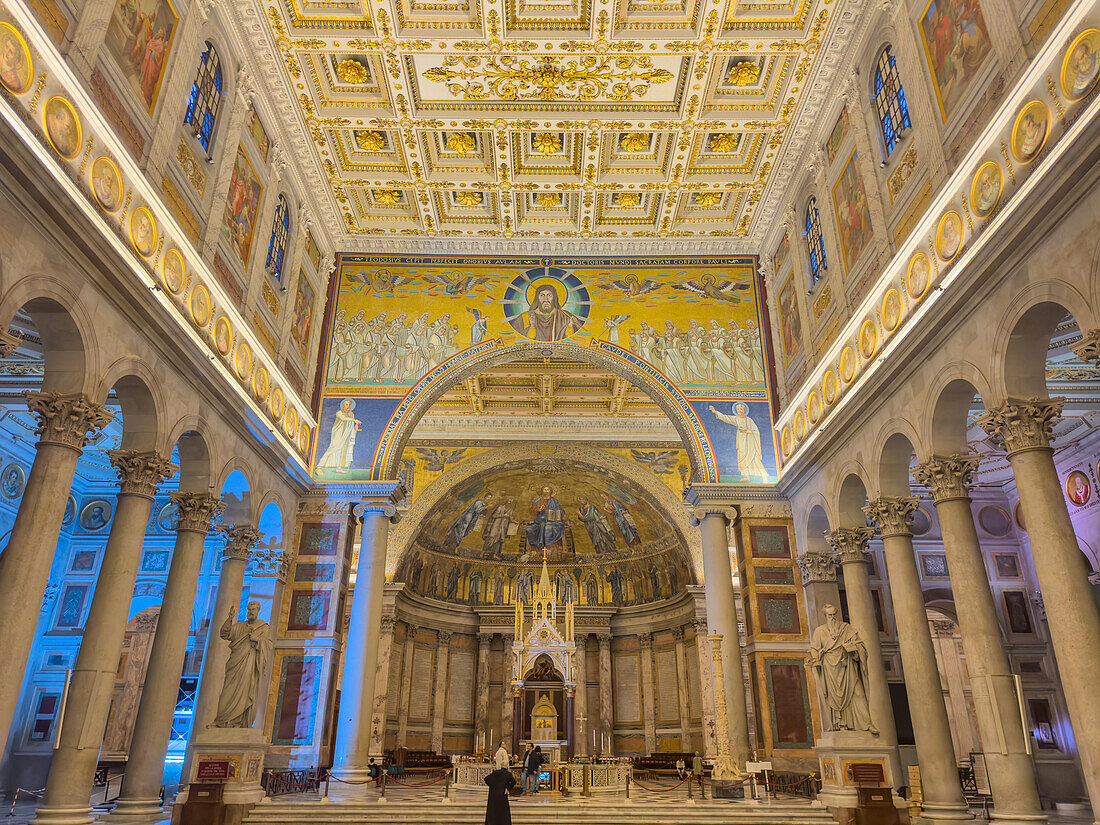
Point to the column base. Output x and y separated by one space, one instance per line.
135 811
725 768
1008 818
945 813
64 815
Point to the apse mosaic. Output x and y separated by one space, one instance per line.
603 540
398 327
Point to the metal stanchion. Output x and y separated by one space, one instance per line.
447 788
328 774
628 771
382 798
691 794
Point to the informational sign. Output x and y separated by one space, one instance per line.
212 770
868 773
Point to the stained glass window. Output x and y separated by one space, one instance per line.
815 244
890 105
206 97
280 232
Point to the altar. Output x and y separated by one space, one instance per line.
543 680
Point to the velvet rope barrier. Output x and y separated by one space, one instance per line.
392 778
660 790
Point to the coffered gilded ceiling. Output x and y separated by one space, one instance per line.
547 119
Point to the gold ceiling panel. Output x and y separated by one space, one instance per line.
551 118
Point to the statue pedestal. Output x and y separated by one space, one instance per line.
850 759
224 780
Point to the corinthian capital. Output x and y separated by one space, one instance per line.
892 514
850 543
1088 348
195 511
947 476
9 343
240 540
818 567
1022 423
67 420
140 473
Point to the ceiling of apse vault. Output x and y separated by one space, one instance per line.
603 538
548 118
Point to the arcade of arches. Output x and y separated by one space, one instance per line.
387 381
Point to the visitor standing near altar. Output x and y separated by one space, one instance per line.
500 758
497 811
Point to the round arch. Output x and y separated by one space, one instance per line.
404 532
68 337
850 497
600 353
1019 366
943 421
894 459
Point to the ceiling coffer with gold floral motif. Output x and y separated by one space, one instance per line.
548 109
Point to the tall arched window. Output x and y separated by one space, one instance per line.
815 244
890 105
280 232
206 97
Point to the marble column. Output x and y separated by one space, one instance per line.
819 583
1023 427
88 701
996 705
382 685
506 693
481 694
683 698
140 798
65 423
943 797
851 546
583 730
353 726
406 684
645 646
239 542
706 690
439 692
607 728
713 520
724 765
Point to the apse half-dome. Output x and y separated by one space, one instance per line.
605 541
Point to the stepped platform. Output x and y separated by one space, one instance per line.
429 807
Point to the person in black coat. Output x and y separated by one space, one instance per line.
532 763
500 782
